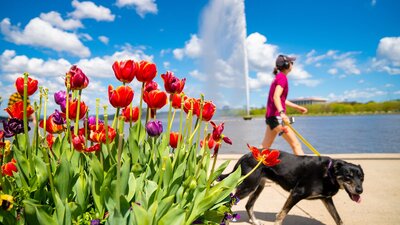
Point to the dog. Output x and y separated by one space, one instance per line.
304 177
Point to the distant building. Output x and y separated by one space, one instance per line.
308 101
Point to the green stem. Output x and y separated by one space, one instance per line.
140 110
118 186
249 173
45 95
106 128
25 108
169 121
130 114
115 124
212 171
97 112
69 136
78 109
47 160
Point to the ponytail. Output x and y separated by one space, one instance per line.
275 71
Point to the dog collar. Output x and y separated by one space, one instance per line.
330 172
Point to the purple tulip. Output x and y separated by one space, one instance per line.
13 126
57 118
95 222
60 97
92 120
154 128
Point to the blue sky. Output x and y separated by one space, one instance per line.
346 50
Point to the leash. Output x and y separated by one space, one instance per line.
302 139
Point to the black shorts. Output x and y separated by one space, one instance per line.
273 121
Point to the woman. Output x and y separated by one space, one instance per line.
276 106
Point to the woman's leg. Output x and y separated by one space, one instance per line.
294 143
269 137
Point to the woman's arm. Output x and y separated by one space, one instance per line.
295 106
277 101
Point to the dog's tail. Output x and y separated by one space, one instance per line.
223 176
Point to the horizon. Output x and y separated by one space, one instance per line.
346 51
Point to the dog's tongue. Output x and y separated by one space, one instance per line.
356 198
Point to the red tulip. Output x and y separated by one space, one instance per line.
51 126
121 97
78 141
50 140
208 141
129 113
208 111
32 86
9 168
124 70
16 110
146 71
268 157
176 100
174 138
94 148
99 135
192 103
78 79
155 99
73 105
150 86
172 84
1 135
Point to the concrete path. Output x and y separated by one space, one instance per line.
380 203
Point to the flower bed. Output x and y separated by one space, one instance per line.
78 169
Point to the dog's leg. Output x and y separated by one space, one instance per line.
292 200
328 202
252 199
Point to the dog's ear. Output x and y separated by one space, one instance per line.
337 165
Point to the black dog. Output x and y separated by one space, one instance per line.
305 177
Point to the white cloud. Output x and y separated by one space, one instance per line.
389 48
178 53
333 71
55 19
13 63
192 48
356 94
104 39
344 62
312 58
348 65
373 2
262 80
261 56
142 6
197 75
166 65
89 10
42 34
85 37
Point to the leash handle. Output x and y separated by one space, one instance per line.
303 139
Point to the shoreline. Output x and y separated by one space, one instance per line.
345 156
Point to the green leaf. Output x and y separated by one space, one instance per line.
216 194
140 215
174 216
125 169
41 171
219 171
38 214
96 169
131 186
62 178
164 206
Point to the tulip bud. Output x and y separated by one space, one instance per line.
124 70
154 128
32 86
78 79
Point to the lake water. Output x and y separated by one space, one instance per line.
328 134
